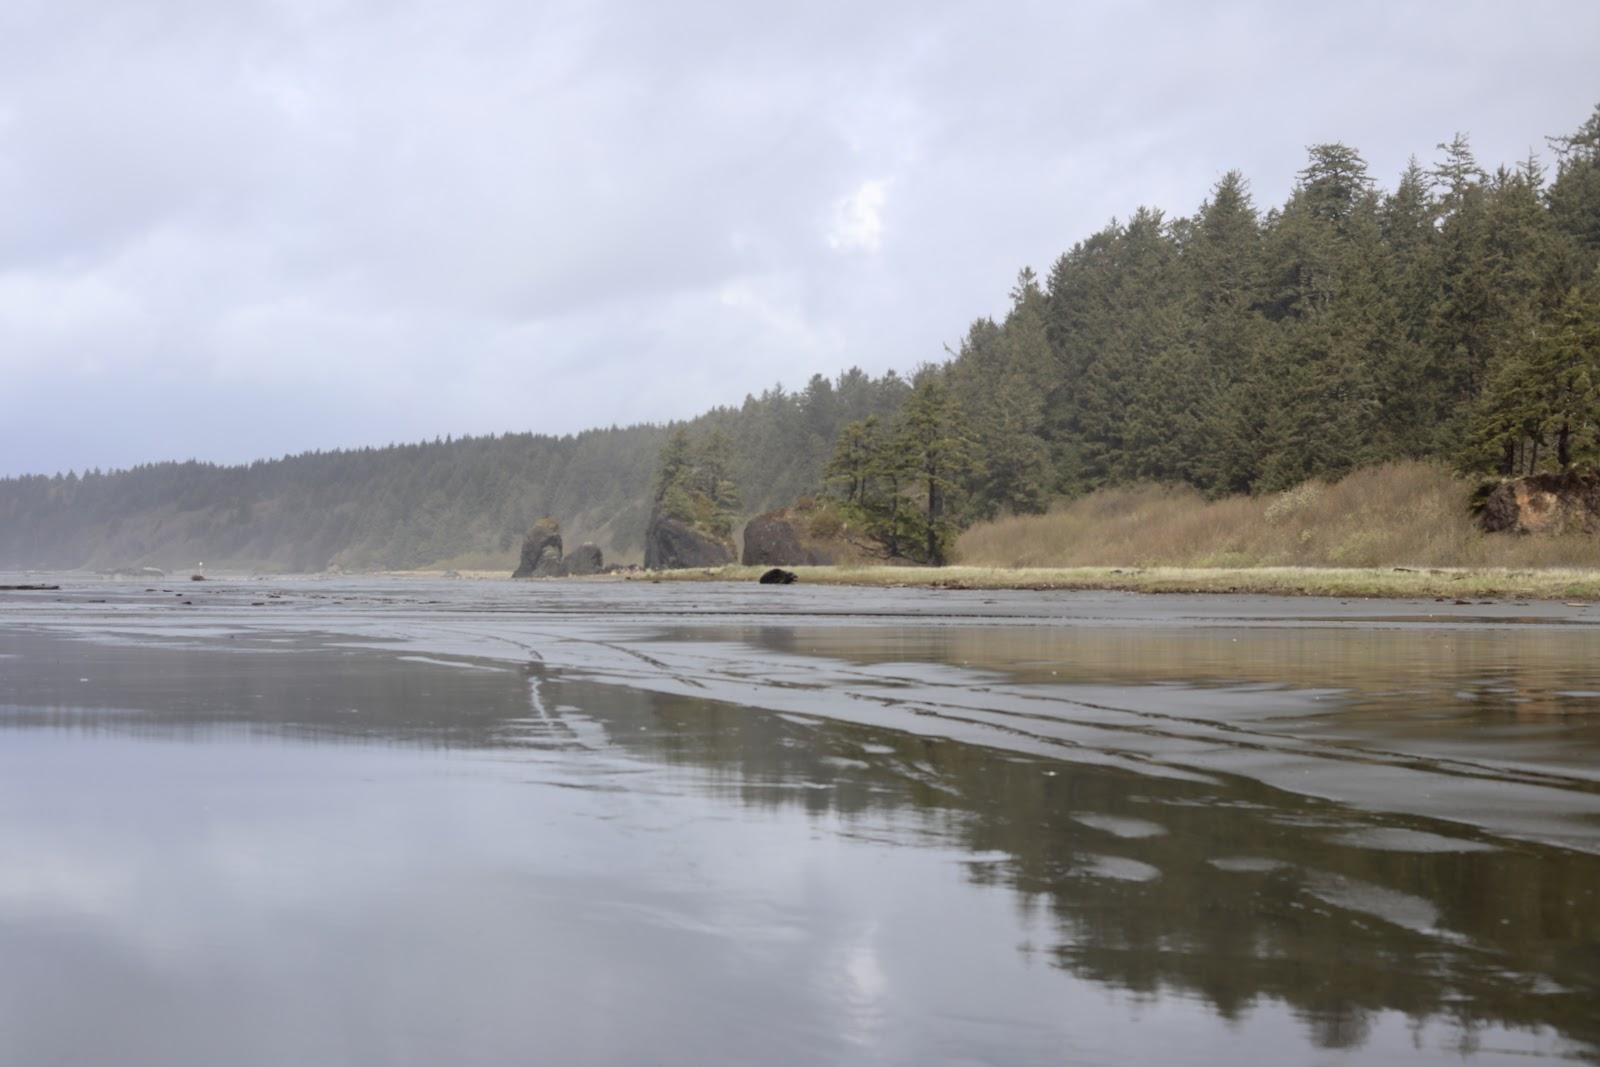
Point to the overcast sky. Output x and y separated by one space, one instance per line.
235 230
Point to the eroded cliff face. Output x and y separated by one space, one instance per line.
542 556
808 533
541 552
672 544
1543 504
584 560
781 539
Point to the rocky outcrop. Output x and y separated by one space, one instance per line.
781 538
584 560
542 558
1542 503
541 552
672 544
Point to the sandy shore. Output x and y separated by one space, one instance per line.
1449 584
1398 582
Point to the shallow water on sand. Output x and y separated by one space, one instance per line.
397 822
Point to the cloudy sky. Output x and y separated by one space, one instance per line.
233 230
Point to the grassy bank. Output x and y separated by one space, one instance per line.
1398 515
1400 530
1450 583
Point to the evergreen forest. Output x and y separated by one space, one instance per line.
463 502
1451 315
1454 317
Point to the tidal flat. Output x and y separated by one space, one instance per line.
395 821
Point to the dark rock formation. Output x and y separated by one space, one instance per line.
541 551
585 559
671 544
778 576
1542 503
777 538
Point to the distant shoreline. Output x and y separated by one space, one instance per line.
1463 584
1451 583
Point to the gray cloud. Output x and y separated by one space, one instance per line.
238 230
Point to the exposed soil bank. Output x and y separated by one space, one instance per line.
1567 503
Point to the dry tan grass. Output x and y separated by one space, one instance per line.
1401 530
1401 514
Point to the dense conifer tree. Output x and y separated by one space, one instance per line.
931 437
1575 193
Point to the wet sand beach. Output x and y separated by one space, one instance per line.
402 821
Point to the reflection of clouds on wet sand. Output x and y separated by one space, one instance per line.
517 850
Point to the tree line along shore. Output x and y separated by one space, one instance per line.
1451 321
1402 529
1448 323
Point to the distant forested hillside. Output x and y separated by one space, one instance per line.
460 502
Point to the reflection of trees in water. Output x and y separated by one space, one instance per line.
1492 693
1388 659
1521 925
1517 940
